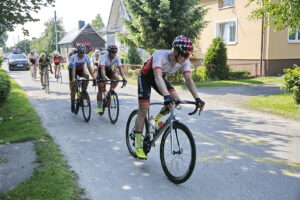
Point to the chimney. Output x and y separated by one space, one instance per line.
81 24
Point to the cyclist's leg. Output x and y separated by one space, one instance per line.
42 77
55 70
114 76
101 89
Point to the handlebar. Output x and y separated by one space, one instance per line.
111 81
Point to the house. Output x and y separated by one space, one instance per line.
83 34
118 11
250 46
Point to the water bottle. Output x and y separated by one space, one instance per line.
152 124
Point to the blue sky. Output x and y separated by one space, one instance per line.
70 12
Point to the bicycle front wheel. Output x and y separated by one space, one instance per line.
86 105
113 107
178 153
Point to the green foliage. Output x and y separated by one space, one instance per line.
46 43
155 23
98 24
3 39
1 61
4 86
291 83
176 77
238 74
24 45
19 12
199 74
122 55
280 14
215 60
133 56
133 73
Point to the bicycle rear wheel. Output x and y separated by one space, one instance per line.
129 134
178 153
113 107
86 105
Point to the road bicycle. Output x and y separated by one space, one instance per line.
82 99
110 100
177 147
58 74
46 83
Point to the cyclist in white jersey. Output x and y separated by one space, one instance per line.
95 58
105 72
33 60
77 64
153 73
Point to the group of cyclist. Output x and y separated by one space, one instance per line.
152 75
43 63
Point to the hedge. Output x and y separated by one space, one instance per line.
4 86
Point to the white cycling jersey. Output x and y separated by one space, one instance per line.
107 62
161 59
33 58
95 60
77 62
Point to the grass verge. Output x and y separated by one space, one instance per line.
52 179
279 104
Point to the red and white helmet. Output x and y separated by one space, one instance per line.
112 48
183 45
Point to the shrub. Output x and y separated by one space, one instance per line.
291 82
1 60
133 56
4 86
176 77
238 74
199 74
215 60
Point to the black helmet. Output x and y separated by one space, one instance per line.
112 48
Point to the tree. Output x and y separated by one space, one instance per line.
14 12
133 56
46 43
24 45
156 23
3 39
98 24
280 14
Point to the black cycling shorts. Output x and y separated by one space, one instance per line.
79 72
32 61
145 82
108 71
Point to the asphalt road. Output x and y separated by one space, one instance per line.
241 154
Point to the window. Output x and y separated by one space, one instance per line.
294 38
227 30
226 3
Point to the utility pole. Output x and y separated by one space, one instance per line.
55 28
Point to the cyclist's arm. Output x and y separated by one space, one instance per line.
121 69
90 70
102 68
160 81
73 72
191 85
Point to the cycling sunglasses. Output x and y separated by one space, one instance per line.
185 55
82 52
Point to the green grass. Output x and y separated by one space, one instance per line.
52 179
260 80
280 104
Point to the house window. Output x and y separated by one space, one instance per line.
227 30
226 3
294 38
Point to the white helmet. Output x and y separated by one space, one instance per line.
97 52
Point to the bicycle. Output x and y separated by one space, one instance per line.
110 101
46 80
82 99
173 132
58 74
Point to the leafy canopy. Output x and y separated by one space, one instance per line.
155 23
281 14
98 24
15 12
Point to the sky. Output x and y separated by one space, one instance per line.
71 11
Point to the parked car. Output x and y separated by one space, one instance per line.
17 62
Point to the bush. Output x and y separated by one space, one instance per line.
215 61
133 73
4 86
1 60
176 77
199 74
238 74
133 56
291 82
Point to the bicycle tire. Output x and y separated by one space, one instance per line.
129 134
86 106
77 104
113 103
178 179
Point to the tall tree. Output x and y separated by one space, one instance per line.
46 43
24 45
14 12
155 23
98 24
280 14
